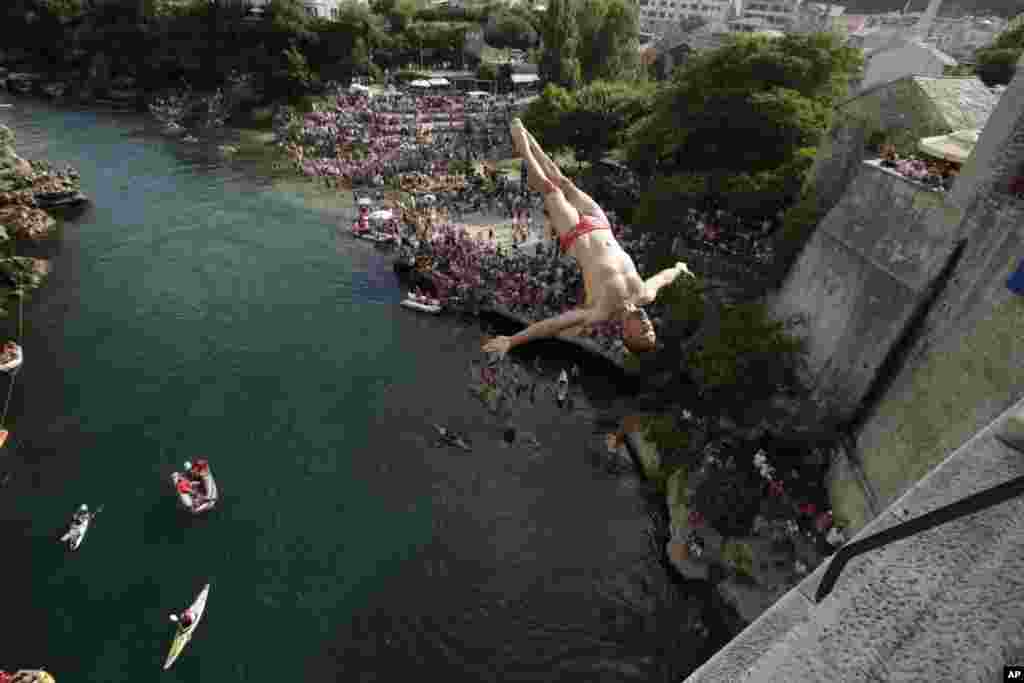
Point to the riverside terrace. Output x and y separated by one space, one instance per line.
468 272
361 137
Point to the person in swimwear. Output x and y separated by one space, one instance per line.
614 289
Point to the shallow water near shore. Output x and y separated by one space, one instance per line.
197 309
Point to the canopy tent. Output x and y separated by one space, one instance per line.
523 79
956 146
420 84
439 81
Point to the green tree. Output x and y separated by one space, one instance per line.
618 42
548 117
602 113
746 118
608 40
507 30
487 72
560 62
998 61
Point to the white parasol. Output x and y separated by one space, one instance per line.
956 146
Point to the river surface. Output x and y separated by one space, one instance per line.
199 309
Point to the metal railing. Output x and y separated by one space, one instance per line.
966 506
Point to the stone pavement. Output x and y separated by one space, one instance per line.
944 605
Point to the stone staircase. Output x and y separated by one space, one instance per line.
944 605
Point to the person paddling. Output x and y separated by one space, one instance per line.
183 620
184 486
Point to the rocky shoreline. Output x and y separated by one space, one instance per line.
31 195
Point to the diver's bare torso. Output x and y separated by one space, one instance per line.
610 277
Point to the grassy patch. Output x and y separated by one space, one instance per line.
849 503
951 395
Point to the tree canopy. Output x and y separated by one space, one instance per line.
739 125
608 40
507 30
560 62
998 62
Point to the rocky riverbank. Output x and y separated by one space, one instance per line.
31 193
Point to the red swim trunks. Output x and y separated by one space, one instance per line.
586 225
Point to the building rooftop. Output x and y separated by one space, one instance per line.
962 102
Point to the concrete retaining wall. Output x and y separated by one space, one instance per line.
860 279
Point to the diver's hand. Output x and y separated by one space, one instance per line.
498 345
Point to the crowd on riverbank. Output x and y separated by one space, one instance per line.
358 139
465 272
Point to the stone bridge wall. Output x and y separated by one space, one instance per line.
861 278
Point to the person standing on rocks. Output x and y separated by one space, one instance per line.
614 289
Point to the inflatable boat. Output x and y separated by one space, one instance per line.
184 634
12 361
195 503
422 303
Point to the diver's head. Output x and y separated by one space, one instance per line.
638 331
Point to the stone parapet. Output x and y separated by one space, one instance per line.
945 605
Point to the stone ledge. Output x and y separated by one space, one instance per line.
583 343
733 662
946 604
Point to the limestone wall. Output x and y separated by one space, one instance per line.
865 272
966 368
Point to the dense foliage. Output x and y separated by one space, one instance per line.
608 40
593 120
998 62
738 126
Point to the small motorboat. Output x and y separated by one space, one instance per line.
422 303
26 676
184 633
78 527
11 357
196 489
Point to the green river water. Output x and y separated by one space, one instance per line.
198 310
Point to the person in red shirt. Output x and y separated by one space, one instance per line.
184 619
184 486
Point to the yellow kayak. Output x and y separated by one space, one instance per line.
184 635
27 676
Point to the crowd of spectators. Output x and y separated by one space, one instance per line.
366 140
937 174
470 274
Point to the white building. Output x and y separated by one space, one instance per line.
906 55
914 58
658 15
960 38
772 14
327 9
